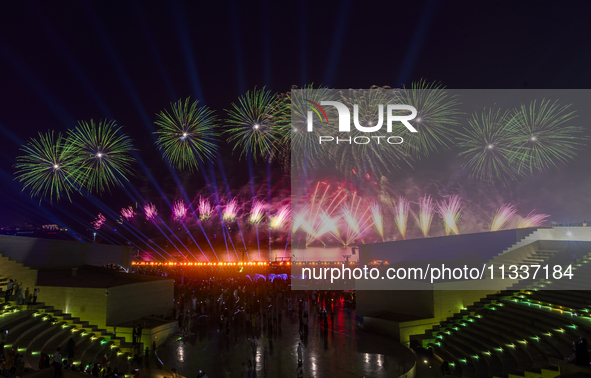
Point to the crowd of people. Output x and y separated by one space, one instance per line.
15 290
12 363
245 300
61 362
249 301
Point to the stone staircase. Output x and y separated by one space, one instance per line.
40 329
525 331
528 239
11 269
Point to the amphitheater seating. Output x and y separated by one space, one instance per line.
527 330
37 329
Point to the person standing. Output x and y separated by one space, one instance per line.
35 292
19 296
249 369
14 288
581 352
9 287
3 335
275 317
253 346
71 350
187 322
57 364
300 353
331 309
138 334
42 361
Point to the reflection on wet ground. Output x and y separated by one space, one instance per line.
339 350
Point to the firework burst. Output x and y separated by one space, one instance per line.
230 211
426 213
502 216
532 220
151 211
257 212
179 210
48 167
300 221
297 139
357 222
489 147
371 157
450 213
545 136
205 209
437 117
255 124
378 219
328 224
128 213
98 222
187 136
280 219
103 153
401 216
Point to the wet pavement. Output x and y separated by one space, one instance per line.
339 350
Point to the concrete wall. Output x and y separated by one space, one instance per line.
409 302
432 306
158 334
129 302
450 297
88 304
123 303
483 245
49 253
381 326
16 271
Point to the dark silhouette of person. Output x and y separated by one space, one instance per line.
582 352
71 349
445 370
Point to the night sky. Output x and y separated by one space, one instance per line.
127 60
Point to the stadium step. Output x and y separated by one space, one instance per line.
519 332
42 329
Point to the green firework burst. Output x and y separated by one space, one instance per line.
48 167
377 156
187 135
299 142
255 124
488 145
545 136
437 117
103 153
